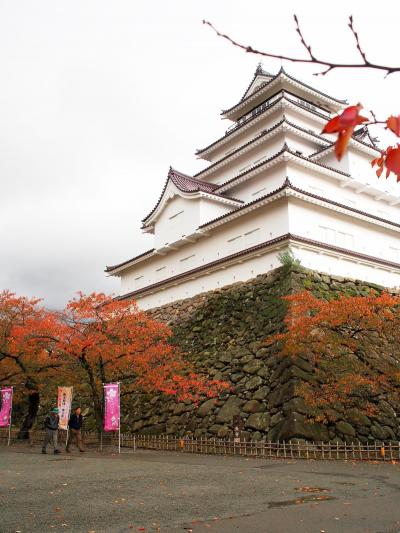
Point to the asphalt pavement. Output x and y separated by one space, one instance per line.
177 492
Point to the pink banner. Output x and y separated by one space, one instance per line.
6 406
111 407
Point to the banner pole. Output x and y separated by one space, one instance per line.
119 421
9 427
103 417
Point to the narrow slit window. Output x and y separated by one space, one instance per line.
187 258
175 215
256 193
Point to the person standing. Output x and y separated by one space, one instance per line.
75 430
51 430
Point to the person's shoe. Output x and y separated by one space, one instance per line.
56 452
82 451
44 451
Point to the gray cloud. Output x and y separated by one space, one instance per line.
98 98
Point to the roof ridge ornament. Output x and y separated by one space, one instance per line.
259 69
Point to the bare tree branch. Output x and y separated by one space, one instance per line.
312 58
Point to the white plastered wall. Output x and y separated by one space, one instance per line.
257 226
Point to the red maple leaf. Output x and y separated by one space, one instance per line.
344 125
393 124
390 159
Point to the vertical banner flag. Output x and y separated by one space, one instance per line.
111 407
6 406
64 405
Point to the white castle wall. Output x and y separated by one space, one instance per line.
182 216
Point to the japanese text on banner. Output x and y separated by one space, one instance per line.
111 407
64 406
6 406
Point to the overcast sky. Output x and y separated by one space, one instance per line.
98 98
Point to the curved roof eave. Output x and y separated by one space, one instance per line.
281 73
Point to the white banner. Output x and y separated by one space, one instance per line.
64 406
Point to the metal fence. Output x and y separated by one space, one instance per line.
295 449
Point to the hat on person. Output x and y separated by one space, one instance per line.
54 410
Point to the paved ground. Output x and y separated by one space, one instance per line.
175 492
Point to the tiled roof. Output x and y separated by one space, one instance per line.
283 97
247 251
188 184
285 148
203 267
354 137
288 185
113 267
282 71
259 72
262 134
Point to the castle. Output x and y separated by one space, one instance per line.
271 183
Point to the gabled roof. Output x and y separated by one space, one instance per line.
131 260
285 149
259 72
253 117
259 202
364 135
188 185
356 141
282 73
318 138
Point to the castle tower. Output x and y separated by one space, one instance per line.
270 183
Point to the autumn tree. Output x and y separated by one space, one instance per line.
96 339
28 336
352 343
344 124
107 340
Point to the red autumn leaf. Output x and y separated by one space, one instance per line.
344 125
390 159
95 339
324 330
393 124
393 161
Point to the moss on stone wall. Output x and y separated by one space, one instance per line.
222 332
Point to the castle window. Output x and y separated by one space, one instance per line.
186 258
160 272
257 193
175 215
234 243
252 237
186 263
138 282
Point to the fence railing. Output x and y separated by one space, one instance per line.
295 449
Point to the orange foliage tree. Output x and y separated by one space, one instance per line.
336 337
95 340
28 337
105 340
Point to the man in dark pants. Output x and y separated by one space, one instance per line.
51 430
75 430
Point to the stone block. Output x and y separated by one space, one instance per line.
253 406
345 428
230 409
258 421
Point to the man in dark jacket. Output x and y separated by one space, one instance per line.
75 430
51 430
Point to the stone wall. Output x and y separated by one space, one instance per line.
222 333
